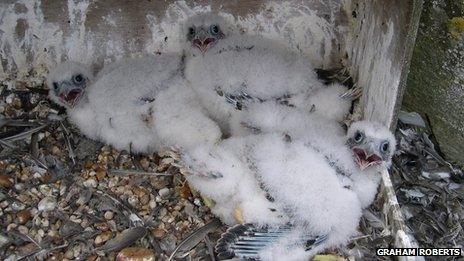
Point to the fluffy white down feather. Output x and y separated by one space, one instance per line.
326 102
259 67
326 136
142 104
269 117
306 190
262 68
223 174
312 177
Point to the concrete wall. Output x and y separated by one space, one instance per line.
36 34
436 81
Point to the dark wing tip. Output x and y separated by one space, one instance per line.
225 245
246 241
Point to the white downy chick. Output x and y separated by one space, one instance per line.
270 117
330 102
144 105
306 182
223 174
229 72
69 84
373 146
152 106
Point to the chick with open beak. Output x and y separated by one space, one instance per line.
204 31
68 84
205 38
71 91
371 144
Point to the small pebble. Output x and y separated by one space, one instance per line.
85 222
90 183
47 204
56 150
101 174
5 181
102 226
69 254
23 230
4 204
40 233
158 232
23 216
16 205
112 225
197 202
135 254
53 233
144 163
102 238
164 193
19 186
133 201
45 223
11 226
108 215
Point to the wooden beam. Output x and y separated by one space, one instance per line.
380 51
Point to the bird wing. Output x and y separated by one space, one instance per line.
246 241
241 98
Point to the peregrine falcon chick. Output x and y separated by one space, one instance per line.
309 186
141 105
230 71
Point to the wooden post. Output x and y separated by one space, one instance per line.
380 51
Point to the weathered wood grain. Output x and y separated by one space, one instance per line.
382 40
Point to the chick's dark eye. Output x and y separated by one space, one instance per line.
358 136
191 31
385 146
78 78
214 29
55 86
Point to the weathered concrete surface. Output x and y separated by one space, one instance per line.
436 81
37 34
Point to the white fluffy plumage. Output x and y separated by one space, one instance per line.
68 84
137 104
313 180
229 72
223 174
326 182
270 116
